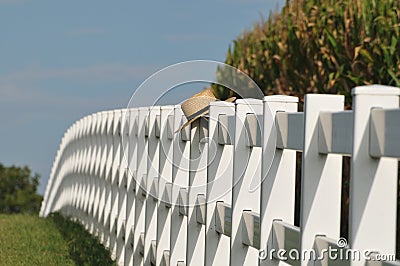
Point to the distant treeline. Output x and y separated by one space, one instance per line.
18 190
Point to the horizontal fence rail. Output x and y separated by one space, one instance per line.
222 190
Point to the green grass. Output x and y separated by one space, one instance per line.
30 240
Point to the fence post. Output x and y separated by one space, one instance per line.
98 176
141 179
114 182
82 172
278 175
321 179
165 177
197 189
180 178
92 174
131 157
95 173
77 173
219 178
373 184
87 175
152 174
121 186
246 178
103 180
109 152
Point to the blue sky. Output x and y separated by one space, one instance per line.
62 60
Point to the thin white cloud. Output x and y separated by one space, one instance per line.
27 90
195 37
85 32
24 104
11 2
95 73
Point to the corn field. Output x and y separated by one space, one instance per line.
321 46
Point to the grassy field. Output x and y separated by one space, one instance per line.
30 240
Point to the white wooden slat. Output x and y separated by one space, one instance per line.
220 173
103 190
196 232
87 176
122 187
109 162
246 176
165 176
278 175
131 154
78 177
152 173
154 189
185 133
92 141
167 195
97 180
84 199
200 209
130 243
92 174
223 220
93 187
165 261
83 144
100 214
170 127
74 197
338 254
253 131
251 229
153 251
223 132
141 241
373 184
285 237
335 133
83 165
321 177
157 126
183 201
290 130
141 174
116 147
97 138
385 132
180 177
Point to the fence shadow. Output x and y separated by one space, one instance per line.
83 248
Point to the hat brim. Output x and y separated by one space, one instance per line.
229 100
192 120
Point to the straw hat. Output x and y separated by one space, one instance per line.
198 105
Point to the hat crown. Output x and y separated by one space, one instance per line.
198 102
206 92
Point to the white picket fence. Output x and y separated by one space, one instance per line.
223 191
